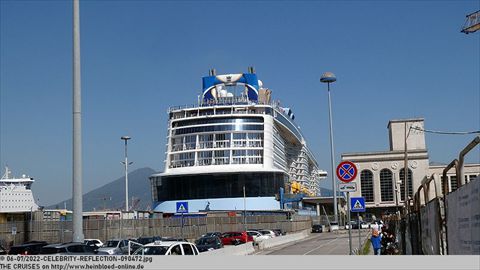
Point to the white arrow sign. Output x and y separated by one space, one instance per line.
347 187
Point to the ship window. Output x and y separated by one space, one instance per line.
204 158
239 136
216 128
219 186
237 153
206 112
217 121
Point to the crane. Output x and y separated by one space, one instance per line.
472 24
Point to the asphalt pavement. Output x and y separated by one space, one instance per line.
328 243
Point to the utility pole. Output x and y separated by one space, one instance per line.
405 170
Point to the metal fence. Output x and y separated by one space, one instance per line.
441 222
193 227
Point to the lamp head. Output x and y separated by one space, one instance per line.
126 138
328 77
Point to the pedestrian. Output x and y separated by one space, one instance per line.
376 240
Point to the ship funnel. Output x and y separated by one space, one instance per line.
212 72
251 70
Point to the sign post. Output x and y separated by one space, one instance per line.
346 172
182 207
358 205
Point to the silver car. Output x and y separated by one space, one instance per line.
115 247
334 226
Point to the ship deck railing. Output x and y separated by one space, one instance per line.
227 101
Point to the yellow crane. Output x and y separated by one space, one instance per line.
472 24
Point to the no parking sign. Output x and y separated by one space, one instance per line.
346 171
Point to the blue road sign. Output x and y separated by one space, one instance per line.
357 204
182 207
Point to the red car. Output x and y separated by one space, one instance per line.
235 238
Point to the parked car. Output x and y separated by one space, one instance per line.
27 248
317 228
354 224
257 237
333 226
167 248
118 247
235 238
279 232
364 225
72 248
178 239
96 243
268 232
148 239
209 234
208 243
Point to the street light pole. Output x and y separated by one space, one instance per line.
328 78
126 138
244 209
77 199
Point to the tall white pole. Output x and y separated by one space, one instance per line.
332 154
126 138
244 209
126 177
77 130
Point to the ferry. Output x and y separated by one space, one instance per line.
235 149
16 194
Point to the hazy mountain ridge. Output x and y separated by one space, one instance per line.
112 195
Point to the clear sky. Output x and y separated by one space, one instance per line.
393 60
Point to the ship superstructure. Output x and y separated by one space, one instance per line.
235 142
15 194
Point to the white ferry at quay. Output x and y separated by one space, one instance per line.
235 142
16 194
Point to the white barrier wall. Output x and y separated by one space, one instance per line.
240 250
280 240
430 217
463 220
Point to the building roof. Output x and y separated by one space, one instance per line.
404 120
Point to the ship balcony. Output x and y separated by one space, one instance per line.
218 145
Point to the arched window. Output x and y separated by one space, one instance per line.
366 182
402 184
386 185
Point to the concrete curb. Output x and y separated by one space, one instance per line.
280 240
240 250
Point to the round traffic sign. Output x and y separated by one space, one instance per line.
346 171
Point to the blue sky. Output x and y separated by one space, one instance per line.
393 59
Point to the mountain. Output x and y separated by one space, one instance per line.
112 195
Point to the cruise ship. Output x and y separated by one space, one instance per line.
235 149
16 194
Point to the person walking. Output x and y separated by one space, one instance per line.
376 240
